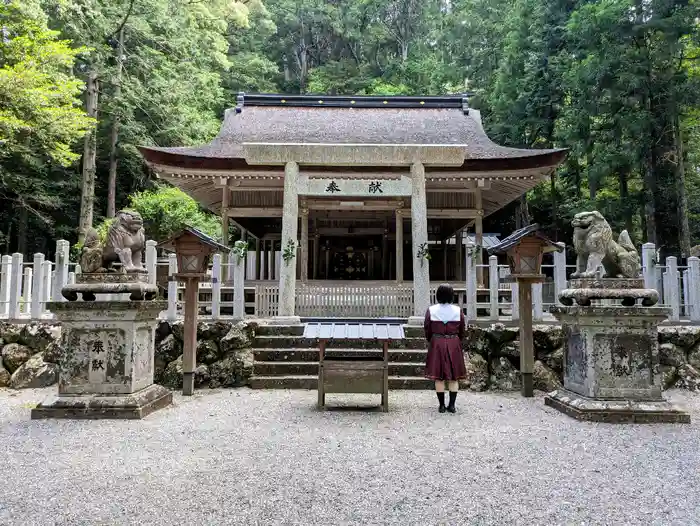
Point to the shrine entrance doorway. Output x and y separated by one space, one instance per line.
349 263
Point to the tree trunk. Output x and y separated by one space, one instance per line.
22 228
682 196
555 214
522 214
87 201
625 201
114 139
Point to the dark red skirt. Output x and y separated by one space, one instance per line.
445 360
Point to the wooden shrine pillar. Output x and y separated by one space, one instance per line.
459 247
399 245
385 251
290 220
258 253
479 237
419 243
225 222
304 255
316 251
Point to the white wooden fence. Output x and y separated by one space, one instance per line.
27 286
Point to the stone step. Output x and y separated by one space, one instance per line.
299 342
311 355
311 369
310 382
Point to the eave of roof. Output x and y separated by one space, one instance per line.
367 124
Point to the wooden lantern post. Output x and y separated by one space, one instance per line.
193 250
525 249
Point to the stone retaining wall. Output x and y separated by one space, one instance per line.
30 355
494 356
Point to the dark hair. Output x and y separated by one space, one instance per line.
444 294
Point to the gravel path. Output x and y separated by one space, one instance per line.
269 458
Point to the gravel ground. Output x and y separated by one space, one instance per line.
268 458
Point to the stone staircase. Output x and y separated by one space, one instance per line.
284 359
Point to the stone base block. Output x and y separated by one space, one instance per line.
416 321
616 411
285 320
97 407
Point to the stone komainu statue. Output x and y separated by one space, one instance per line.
594 244
125 242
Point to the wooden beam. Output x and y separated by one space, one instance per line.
255 212
452 213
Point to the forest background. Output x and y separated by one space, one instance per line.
84 82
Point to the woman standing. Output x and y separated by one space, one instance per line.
444 330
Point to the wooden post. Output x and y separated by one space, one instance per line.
493 288
258 259
151 261
649 266
172 287
60 269
527 357
471 283
317 253
15 284
385 252
444 261
216 286
321 391
5 285
399 245
304 259
479 236
27 291
694 288
537 307
459 240
37 286
385 383
515 297
47 285
189 354
238 287
559 272
671 288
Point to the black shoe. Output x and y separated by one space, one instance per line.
451 407
441 399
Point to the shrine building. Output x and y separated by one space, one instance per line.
378 192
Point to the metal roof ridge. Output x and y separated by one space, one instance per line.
457 101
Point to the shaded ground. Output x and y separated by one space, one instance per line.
268 457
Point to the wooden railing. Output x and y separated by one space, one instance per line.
354 300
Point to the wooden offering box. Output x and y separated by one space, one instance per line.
345 370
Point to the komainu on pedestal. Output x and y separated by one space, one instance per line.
107 347
124 244
611 359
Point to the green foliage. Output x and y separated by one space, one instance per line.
167 210
40 114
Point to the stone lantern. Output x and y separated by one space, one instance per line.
193 250
524 249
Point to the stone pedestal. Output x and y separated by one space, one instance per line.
89 285
611 365
106 368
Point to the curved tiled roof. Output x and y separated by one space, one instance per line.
431 121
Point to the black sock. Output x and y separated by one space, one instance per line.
453 397
441 398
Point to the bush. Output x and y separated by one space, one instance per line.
166 210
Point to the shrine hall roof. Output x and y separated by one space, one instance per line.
344 120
